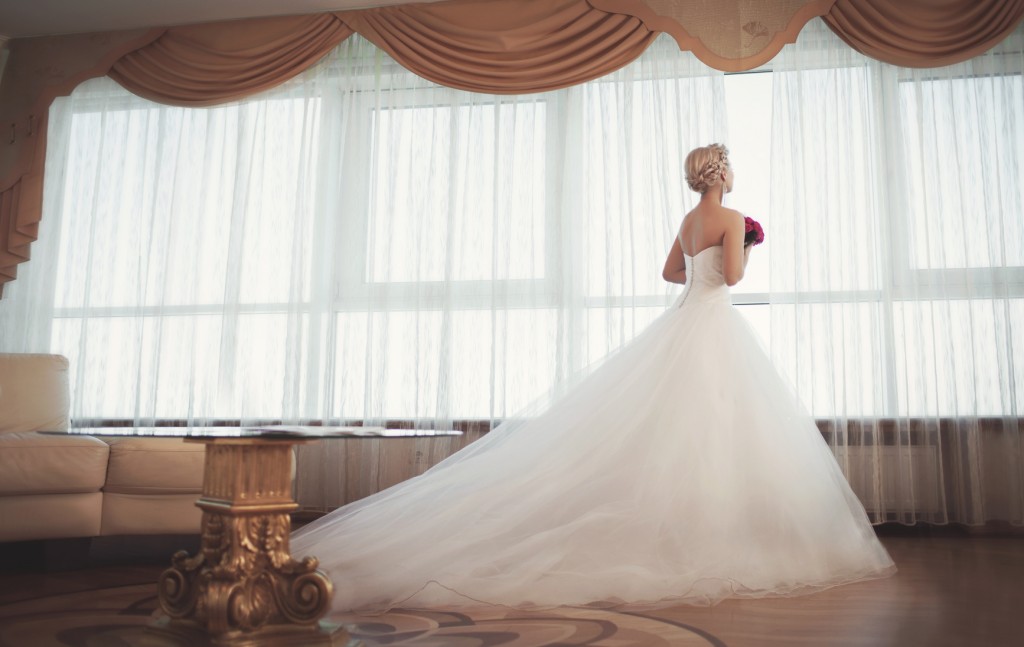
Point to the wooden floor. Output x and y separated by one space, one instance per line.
950 590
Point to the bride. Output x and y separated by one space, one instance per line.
682 471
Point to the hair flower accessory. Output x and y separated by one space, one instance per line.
754 232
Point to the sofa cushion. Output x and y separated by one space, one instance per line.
154 466
32 463
33 392
150 514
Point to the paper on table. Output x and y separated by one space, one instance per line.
310 430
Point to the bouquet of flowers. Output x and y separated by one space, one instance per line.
754 233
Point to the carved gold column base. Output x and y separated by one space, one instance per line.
244 588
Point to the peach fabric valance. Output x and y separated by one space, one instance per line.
494 46
503 47
924 33
203 65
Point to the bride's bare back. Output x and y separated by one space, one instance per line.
706 226
709 225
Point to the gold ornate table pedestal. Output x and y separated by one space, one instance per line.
244 587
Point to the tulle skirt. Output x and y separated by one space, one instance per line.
682 470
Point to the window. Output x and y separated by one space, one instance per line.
749 109
336 250
873 313
445 249
950 228
143 269
361 244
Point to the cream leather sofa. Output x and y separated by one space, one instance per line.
54 486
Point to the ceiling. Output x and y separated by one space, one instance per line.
20 18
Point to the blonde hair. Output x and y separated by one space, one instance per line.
705 166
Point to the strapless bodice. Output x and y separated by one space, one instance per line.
705 282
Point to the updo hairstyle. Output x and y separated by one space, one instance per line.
705 166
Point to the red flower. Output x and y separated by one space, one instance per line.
754 234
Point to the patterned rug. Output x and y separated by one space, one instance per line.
119 617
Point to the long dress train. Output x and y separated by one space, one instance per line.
683 470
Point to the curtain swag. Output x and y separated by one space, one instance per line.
203 65
491 46
923 33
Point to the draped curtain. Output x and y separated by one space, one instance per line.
315 251
360 246
923 33
499 46
897 305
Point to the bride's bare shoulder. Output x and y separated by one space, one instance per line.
732 213
688 220
724 217
731 219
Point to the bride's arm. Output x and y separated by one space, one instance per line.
734 256
675 264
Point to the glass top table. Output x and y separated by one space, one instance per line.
297 433
244 587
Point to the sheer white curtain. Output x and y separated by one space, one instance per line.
359 245
897 272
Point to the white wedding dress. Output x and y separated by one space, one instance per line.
683 470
